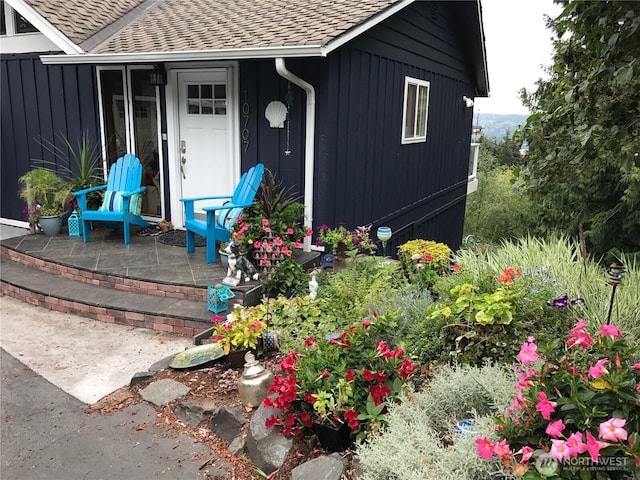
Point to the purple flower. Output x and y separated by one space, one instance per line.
560 302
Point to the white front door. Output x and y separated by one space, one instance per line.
206 165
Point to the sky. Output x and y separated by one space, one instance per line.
518 46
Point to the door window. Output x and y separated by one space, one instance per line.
130 125
206 99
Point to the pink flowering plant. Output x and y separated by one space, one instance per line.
276 215
348 379
351 241
577 403
241 330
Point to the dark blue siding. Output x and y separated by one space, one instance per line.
363 174
39 104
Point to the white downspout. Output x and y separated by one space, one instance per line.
309 145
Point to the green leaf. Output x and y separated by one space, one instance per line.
624 74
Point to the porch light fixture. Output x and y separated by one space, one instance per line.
158 77
467 101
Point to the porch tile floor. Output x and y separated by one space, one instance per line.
145 258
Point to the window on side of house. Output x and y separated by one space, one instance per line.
472 184
416 108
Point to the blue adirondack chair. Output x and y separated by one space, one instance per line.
220 219
122 198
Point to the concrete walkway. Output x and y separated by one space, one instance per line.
85 358
46 433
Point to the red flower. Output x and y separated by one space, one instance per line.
288 365
310 342
368 375
350 375
272 421
366 323
306 418
406 369
379 393
309 398
351 417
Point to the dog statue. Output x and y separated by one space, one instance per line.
239 265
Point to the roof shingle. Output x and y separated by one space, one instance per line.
80 19
196 25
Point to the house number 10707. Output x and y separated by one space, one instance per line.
245 122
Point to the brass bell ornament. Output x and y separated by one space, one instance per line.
254 382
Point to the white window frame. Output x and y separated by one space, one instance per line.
472 184
411 135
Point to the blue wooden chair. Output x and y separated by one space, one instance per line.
220 219
122 198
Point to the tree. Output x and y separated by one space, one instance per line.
505 152
584 132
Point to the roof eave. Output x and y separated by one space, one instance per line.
483 90
186 56
371 22
46 28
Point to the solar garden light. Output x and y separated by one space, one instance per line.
384 235
615 274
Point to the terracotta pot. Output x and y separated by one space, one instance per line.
333 438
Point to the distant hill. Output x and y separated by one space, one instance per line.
495 125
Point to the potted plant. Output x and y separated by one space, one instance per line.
240 332
81 163
45 188
340 240
276 213
343 379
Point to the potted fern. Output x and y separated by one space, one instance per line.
44 188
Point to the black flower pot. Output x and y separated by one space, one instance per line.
333 438
236 358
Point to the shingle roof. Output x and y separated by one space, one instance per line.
197 25
80 19
181 25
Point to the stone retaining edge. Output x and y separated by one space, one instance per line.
104 314
110 281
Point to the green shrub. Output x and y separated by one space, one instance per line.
472 323
298 318
353 290
557 262
497 210
287 278
439 253
419 441
410 304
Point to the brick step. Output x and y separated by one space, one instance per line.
171 308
